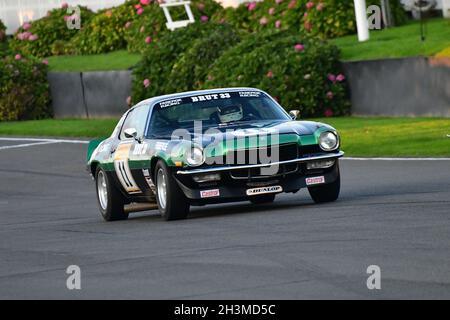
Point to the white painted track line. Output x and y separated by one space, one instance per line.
44 140
36 142
24 145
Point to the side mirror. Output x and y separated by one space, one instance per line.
294 114
130 133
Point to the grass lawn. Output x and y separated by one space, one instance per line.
403 41
365 137
59 128
396 137
117 60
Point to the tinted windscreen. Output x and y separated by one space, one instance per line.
217 109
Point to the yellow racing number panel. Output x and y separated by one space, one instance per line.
122 168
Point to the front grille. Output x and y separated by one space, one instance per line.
263 155
258 173
310 150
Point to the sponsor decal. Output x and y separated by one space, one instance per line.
315 180
170 103
247 94
161 146
140 149
209 97
264 190
210 193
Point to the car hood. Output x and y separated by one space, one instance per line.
256 129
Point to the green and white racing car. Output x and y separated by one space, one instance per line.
213 146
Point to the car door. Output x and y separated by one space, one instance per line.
129 157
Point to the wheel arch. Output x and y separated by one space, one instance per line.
93 167
153 163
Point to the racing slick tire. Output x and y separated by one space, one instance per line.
266 198
172 203
327 192
110 200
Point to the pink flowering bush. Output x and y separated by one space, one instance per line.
294 67
181 59
152 22
106 31
325 18
24 90
36 38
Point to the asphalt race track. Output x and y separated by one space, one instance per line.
394 214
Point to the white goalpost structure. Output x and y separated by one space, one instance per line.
361 20
172 25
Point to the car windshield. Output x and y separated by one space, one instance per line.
214 110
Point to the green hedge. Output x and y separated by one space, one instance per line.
38 37
160 62
24 89
302 72
299 70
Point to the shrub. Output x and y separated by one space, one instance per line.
397 10
37 38
3 40
325 18
2 31
24 90
159 59
105 31
191 68
150 26
300 71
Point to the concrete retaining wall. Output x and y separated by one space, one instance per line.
89 94
393 87
399 87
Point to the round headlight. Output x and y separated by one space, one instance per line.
328 141
195 157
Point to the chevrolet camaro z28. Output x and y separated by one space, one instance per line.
212 146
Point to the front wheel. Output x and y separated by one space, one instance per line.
327 192
111 202
172 203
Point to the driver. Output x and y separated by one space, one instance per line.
230 113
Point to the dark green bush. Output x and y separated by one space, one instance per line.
2 32
24 89
159 59
36 38
192 66
299 70
3 40
397 10
150 26
105 32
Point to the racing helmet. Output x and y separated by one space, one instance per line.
230 113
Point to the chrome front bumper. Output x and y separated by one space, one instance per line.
250 166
